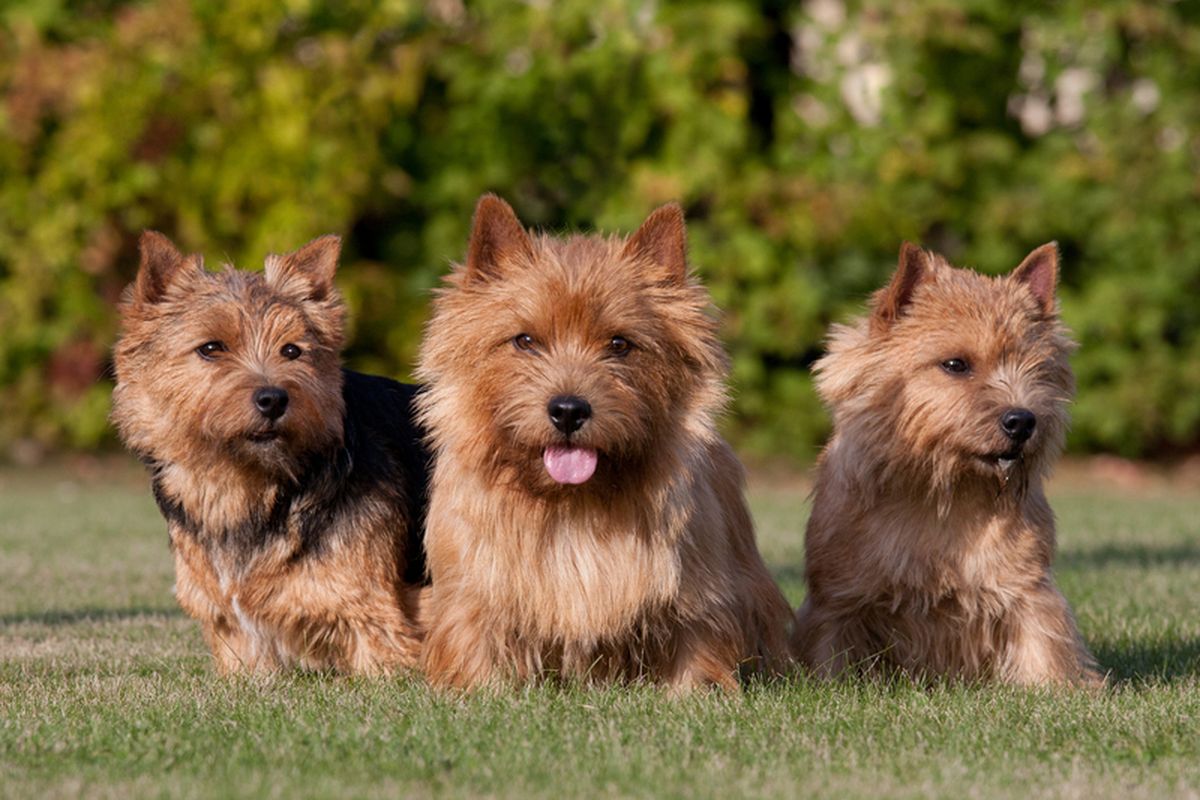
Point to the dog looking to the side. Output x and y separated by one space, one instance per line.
930 542
586 519
293 489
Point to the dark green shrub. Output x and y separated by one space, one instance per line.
806 143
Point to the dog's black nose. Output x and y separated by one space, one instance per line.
1018 424
271 402
568 412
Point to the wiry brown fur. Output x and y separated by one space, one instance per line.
924 552
649 571
288 550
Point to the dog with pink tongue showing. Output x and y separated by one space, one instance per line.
570 464
586 520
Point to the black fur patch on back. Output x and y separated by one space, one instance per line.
386 459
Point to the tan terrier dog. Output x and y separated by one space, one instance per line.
586 519
293 490
930 541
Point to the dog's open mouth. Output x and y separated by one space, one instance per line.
569 464
264 436
1004 461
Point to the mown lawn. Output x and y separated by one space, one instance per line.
106 690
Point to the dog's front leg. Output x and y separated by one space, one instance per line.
459 652
818 642
702 658
1044 645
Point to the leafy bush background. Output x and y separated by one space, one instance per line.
805 140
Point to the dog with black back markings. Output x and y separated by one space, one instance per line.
294 490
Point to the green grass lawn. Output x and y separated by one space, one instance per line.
106 689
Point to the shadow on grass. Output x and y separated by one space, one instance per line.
1112 555
1149 662
1130 555
78 615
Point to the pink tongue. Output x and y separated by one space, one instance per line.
570 464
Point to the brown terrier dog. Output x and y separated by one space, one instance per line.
293 491
930 541
586 519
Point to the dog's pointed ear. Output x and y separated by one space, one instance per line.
662 240
497 237
892 301
161 266
1039 272
307 273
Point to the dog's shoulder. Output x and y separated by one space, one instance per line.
381 425
387 451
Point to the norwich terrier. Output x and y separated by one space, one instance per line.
586 520
293 490
930 541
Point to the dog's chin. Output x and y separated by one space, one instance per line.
268 449
1004 465
265 436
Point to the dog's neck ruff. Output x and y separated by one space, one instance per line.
267 510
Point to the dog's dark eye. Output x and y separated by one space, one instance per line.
209 349
619 346
291 352
523 341
956 366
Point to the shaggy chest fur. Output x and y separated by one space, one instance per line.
929 592
908 558
278 590
282 603
579 575
221 588
662 585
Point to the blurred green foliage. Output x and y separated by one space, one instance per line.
805 141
